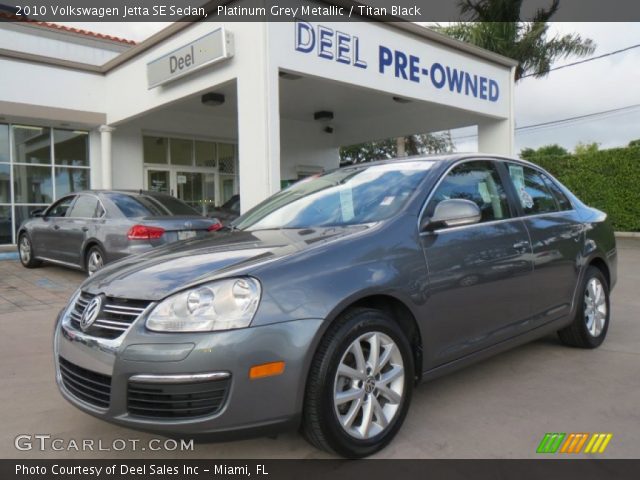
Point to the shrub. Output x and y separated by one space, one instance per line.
608 180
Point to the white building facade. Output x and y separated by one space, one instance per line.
208 110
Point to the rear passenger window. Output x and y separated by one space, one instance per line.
85 207
561 198
533 193
476 181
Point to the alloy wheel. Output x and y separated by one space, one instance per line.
25 249
369 385
95 262
595 307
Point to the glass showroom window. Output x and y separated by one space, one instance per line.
5 187
37 166
201 173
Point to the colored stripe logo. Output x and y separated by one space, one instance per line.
574 442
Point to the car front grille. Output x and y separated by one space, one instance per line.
115 317
182 400
90 387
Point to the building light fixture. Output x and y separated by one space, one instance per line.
212 99
323 116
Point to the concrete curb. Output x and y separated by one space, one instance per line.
627 234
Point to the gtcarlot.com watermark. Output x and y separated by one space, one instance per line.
44 442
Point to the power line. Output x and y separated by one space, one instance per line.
566 120
590 59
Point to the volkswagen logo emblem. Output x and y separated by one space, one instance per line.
91 313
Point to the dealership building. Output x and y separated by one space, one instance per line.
211 109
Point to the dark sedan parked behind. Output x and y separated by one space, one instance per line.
89 229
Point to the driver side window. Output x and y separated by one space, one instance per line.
60 208
478 181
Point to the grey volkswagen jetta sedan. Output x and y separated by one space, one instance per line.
88 229
323 306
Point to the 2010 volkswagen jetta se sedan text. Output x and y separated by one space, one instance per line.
324 305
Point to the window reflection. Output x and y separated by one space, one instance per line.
71 147
32 184
32 144
71 180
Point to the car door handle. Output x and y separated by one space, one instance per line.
56 227
85 229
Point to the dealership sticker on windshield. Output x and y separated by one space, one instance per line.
387 200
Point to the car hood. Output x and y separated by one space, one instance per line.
161 272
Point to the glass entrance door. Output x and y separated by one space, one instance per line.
159 181
190 189
196 189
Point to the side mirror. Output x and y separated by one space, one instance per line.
453 213
38 212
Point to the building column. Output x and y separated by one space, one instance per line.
105 155
496 136
258 132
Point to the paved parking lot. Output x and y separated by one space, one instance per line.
499 408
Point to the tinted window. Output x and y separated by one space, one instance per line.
149 205
59 209
172 204
561 198
133 206
533 194
85 207
476 181
348 196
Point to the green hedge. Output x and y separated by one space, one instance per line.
607 179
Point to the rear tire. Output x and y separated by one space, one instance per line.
94 260
590 325
26 252
356 399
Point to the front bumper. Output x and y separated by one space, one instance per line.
249 405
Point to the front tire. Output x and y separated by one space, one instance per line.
590 325
359 388
26 253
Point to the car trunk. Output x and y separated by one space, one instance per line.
178 227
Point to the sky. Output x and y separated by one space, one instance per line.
603 84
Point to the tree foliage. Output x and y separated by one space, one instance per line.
497 25
545 151
419 144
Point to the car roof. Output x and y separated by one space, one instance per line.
118 190
439 157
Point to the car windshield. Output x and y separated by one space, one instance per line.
349 196
149 206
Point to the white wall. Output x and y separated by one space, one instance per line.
22 37
49 86
126 153
304 143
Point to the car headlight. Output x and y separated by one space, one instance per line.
220 305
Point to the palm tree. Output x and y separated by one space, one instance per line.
496 25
